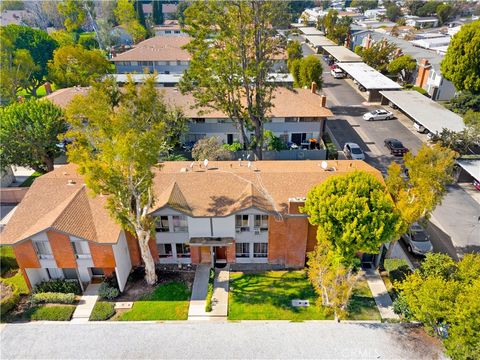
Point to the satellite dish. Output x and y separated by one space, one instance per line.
249 164
205 162
324 165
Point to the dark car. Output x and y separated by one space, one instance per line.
396 147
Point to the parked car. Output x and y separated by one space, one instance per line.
417 240
353 151
337 73
396 147
379 114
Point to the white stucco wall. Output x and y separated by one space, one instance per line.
224 227
198 227
85 274
122 260
36 276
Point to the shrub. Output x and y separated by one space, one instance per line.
59 286
108 292
235 146
397 269
9 301
102 311
52 313
53 298
400 307
208 302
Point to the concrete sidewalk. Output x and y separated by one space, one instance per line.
380 294
199 293
86 304
220 293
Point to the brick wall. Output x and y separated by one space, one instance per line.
62 250
311 237
133 249
26 255
231 253
102 255
195 254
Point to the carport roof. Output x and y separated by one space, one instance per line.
310 30
318 40
433 116
472 166
367 76
342 54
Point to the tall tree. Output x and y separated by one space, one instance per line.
404 66
429 172
29 134
126 16
378 55
116 149
307 70
138 5
461 64
364 4
74 13
354 213
74 65
393 12
294 50
40 47
157 12
232 53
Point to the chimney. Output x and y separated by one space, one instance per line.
48 88
294 205
423 72
313 87
398 53
323 100
347 41
368 41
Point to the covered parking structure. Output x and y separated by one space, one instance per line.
469 170
310 31
342 54
424 111
369 79
319 42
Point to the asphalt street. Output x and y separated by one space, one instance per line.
203 340
454 227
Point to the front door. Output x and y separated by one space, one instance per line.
221 253
229 139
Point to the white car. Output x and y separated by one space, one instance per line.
417 240
379 114
337 73
353 151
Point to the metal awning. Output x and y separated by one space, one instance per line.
471 166
211 241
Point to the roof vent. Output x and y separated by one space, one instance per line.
70 182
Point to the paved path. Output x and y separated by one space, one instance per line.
86 304
220 293
196 310
380 294
211 340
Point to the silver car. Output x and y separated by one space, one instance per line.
417 240
353 151
379 114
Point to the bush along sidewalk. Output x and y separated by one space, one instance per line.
102 311
208 302
51 313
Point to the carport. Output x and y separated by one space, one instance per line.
342 54
310 31
369 78
424 111
469 170
319 42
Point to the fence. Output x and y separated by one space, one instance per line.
293 154
12 195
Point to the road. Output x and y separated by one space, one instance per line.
204 340
454 227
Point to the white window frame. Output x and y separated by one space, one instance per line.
41 254
261 222
166 255
245 251
83 246
241 225
258 254
178 228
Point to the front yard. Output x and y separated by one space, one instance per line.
268 296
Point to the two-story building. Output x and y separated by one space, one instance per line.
226 212
296 115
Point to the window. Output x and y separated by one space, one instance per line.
261 222
260 250
185 63
183 250
70 274
44 251
147 63
81 249
164 250
179 223
241 223
133 63
160 63
55 273
198 120
161 224
242 250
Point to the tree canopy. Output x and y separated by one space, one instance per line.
353 212
211 149
461 64
378 55
118 140
307 70
29 134
404 66
443 295
74 65
74 14
37 43
126 17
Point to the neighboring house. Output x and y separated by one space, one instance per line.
375 14
296 116
230 212
427 76
169 10
374 24
169 28
16 17
421 22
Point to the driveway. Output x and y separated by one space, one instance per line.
192 340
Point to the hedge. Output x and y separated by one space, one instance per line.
52 313
8 303
105 291
59 286
102 311
53 298
208 302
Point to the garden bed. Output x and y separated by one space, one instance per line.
50 312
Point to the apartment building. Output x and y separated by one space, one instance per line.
226 212
296 116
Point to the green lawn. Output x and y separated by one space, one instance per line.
7 259
51 313
361 305
268 296
167 302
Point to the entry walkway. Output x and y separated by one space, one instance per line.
199 293
220 293
380 294
86 304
